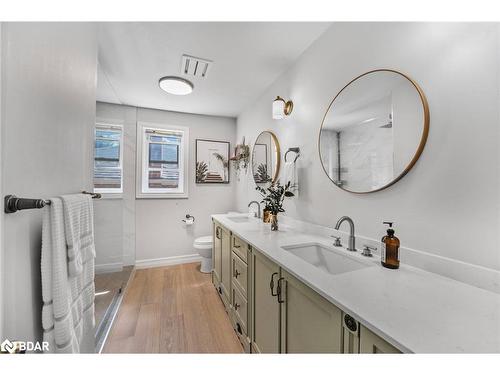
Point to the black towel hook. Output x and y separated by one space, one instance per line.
293 149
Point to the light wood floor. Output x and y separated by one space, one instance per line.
172 309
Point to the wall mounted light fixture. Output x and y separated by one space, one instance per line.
281 108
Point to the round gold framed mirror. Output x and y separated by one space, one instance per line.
266 158
373 131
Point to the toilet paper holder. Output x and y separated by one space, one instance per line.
188 217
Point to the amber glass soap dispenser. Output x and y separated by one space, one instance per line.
389 255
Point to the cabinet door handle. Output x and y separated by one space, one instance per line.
271 284
236 306
234 244
279 289
217 234
238 328
236 273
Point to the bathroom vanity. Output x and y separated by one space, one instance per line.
291 291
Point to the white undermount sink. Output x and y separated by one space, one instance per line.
325 258
239 219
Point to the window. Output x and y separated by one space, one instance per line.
162 161
108 155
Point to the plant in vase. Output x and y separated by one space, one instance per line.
272 198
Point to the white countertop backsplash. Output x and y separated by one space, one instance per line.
413 309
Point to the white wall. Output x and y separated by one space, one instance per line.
48 95
448 204
159 231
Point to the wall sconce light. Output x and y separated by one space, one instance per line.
281 108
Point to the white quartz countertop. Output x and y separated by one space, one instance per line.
414 310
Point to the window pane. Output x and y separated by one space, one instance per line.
108 134
160 153
163 178
162 160
107 169
107 150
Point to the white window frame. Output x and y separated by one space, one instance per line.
142 191
110 192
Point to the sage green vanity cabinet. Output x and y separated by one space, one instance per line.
288 316
265 308
216 254
350 334
359 339
274 312
309 323
222 262
370 343
239 273
240 290
225 276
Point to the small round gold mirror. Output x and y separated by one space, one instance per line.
374 131
266 158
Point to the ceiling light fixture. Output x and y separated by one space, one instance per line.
176 85
281 108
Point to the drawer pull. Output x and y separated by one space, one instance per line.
238 328
234 244
279 289
236 274
271 284
237 306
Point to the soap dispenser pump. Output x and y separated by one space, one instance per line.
389 254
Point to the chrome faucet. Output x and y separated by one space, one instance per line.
352 239
258 207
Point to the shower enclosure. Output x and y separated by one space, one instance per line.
109 289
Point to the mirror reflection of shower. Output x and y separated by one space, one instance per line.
370 143
371 131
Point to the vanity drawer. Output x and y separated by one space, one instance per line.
240 274
240 247
240 309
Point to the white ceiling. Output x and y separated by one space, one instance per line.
247 57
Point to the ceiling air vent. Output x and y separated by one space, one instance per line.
195 66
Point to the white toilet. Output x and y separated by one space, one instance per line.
204 246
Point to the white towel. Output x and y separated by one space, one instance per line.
79 232
68 300
290 175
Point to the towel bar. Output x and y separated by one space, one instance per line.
13 204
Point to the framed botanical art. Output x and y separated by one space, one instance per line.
212 162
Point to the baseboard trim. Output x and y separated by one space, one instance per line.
108 267
168 261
